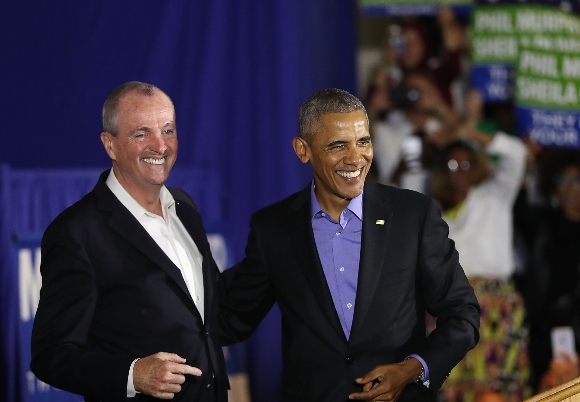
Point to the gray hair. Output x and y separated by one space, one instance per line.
331 100
111 106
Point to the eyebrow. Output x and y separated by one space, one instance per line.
148 129
334 143
342 142
142 128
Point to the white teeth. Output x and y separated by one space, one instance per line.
350 175
154 161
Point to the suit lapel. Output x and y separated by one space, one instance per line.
125 224
302 239
377 217
192 223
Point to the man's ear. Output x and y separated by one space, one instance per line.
301 148
107 140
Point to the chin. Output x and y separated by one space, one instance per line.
351 194
157 180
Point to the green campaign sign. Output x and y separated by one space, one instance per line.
531 53
493 34
547 84
498 32
548 63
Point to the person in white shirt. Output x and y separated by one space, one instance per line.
128 305
477 198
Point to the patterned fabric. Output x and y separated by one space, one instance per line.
499 362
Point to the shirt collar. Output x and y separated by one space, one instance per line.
167 200
355 205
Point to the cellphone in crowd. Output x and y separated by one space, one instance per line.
563 342
403 97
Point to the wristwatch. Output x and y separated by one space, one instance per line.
421 377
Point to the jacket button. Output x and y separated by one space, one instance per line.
209 387
349 360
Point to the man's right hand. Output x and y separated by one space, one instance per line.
161 375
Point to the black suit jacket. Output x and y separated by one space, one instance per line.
408 267
111 295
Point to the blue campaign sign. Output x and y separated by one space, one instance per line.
549 127
408 8
27 260
494 81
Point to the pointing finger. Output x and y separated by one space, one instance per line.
190 370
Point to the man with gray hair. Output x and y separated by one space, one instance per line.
354 267
128 305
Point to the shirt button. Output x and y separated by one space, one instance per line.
209 387
323 214
349 305
341 269
349 360
338 233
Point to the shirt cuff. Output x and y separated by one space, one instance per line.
425 367
130 386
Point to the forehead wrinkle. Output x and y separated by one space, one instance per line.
154 113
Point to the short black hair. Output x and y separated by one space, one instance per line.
331 100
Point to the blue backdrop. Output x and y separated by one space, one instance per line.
237 71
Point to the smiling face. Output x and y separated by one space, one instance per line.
340 153
145 148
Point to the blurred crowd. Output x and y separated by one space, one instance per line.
512 206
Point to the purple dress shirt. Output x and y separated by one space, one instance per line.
338 245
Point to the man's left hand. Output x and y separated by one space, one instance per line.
387 381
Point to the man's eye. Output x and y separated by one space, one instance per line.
169 131
139 135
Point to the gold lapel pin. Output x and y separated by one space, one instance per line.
380 222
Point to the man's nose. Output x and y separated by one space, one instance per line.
158 144
353 156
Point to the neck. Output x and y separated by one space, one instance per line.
459 197
150 201
148 197
333 207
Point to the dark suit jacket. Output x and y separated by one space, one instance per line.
408 266
111 295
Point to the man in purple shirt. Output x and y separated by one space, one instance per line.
354 268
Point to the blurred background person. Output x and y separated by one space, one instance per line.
406 141
477 196
552 234
416 44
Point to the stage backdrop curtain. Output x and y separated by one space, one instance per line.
237 71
